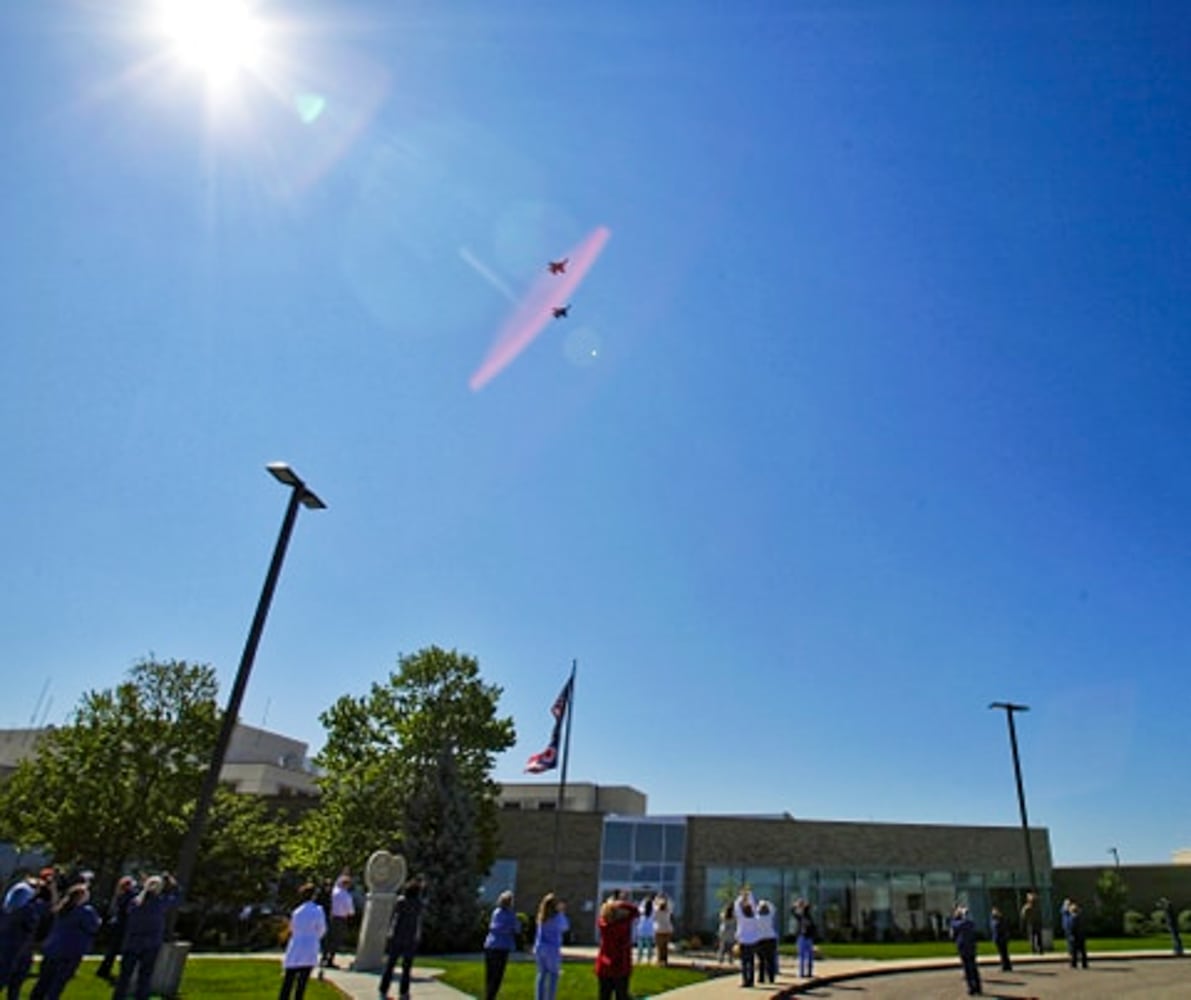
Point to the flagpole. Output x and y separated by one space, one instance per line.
562 775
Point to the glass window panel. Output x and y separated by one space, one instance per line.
835 904
648 845
616 871
502 876
873 900
675 842
719 889
938 891
618 841
647 875
907 906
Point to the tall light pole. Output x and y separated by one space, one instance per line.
300 493
1010 708
1115 856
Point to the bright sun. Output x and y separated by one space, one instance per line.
220 38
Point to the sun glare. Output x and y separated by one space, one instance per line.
220 38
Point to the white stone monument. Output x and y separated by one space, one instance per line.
384 875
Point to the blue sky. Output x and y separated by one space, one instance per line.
875 408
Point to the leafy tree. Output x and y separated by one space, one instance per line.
115 788
441 833
114 784
241 851
387 784
1112 895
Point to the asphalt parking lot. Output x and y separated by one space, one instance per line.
1103 980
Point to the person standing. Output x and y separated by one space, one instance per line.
405 933
766 943
307 925
503 927
27 904
76 923
645 931
1172 924
547 946
726 935
806 938
1077 941
1031 921
614 957
144 933
343 908
748 933
963 930
999 929
663 927
117 920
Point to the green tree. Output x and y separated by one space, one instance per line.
115 788
1112 895
385 778
441 832
241 851
117 782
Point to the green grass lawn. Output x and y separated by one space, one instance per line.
945 949
206 979
577 981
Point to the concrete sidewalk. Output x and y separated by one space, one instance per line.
365 985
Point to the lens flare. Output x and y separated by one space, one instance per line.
536 310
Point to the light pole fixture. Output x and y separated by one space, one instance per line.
1009 708
1115 856
300 493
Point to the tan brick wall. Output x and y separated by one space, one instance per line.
529 837
754 842
797 843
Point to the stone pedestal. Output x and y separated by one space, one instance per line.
167 972
383 875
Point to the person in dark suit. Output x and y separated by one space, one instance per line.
1172 923
405 932
125 893
1077 941
999 927
963 930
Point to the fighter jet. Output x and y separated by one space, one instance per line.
558 266
560 312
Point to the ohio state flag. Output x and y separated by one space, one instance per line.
548 758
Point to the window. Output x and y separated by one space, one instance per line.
618 842
643 857
907 903
502 876
648 846
675 835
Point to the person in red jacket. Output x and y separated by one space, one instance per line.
614 959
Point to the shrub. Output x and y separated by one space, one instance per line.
1185 921
1136 925
527 931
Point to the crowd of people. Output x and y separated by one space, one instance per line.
52 911
504 932
748 933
